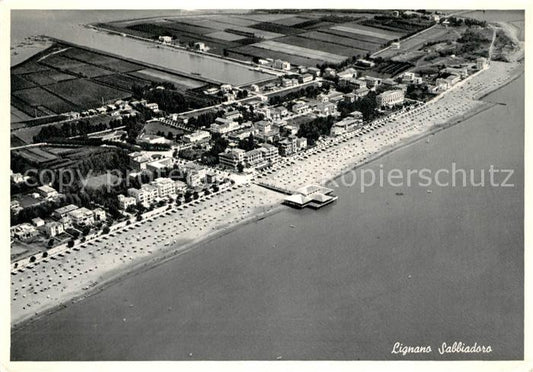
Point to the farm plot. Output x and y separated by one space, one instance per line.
204 22
18 82
17 116
33 157
60 62
226 36
28 67
86 93
365 38
265 17
123 82
89 71
24 108
321 47
251 51
280 29
416 42
192 28
291 21
356 28
106 62
300 51
156 75
48 77
345 41
41 154
37 97
232 20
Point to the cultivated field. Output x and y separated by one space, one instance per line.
300 51
64 78
307 38
160 76
341 40
434 34
86 93
40 98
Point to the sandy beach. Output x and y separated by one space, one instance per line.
55 282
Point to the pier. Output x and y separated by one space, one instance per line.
313 196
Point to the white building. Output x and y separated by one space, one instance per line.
53 229
165 186
481 63
254 158
180 187
231 158
64 211
147 194
37 222
200 46
195 177
82 216
47 192
197 136
125 201
390 98
349 73
282 65
99 214
270 153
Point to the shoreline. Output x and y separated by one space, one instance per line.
158 259
163 256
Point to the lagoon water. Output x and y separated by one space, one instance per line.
68 26
347 282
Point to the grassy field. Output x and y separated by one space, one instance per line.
249 51
181 82
18 82
291 21
87 94
300 51
340 40
378 42
37 97
89 71
122 82
373 31
28 67
226 36
47 77
416 42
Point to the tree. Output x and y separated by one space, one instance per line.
240 167
248 143
32 259
70 243
86 230
50 243
45 254
105 230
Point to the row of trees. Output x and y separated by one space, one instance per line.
310 91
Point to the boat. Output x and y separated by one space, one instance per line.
292 226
